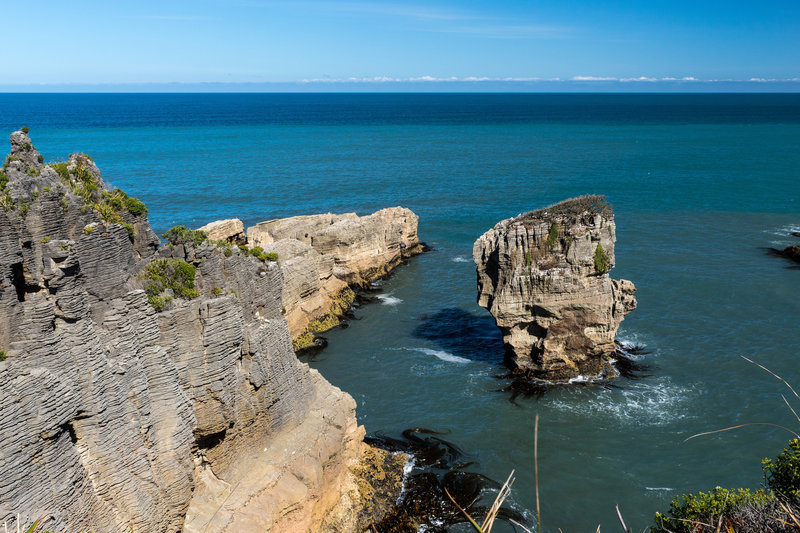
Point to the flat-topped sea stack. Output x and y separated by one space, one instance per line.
544 277
324 257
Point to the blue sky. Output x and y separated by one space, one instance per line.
471 42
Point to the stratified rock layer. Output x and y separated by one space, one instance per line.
231 230
324 256
544 277
118 418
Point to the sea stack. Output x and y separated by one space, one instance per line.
544 277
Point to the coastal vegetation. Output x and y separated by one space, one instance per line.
173 275
111 205
601 260
552 235
182 235
776 507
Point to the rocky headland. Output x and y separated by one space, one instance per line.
149 388
325 257
544 277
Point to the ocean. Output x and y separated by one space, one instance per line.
701 184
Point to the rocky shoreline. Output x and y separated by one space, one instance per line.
151 388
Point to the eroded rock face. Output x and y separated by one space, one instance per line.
115 417
324 256
544 277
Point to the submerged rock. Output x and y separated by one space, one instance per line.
544 277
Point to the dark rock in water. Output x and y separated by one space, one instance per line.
438 466
626 364
544 277
796 233
792 252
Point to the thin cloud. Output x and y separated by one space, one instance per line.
593 78
169 17
511 31
388 9
578 79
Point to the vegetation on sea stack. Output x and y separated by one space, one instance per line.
601 260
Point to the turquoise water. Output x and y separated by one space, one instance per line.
699 184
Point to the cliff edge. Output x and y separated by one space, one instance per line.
153 389
544 277
326 256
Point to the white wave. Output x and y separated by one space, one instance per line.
655 404
460 259
784 231
388 299
660 488
444 356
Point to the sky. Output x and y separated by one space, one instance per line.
438 43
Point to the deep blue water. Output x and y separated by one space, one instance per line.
699 184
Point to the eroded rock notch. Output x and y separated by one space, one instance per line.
544 277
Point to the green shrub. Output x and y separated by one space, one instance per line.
25 130
257 251
45 240
552 235
2 355
3 180
40 158
174 274
135 207
182 235
88 230
62 171
528 259
159 303
601 260
217 291
686 511
131 232
783 474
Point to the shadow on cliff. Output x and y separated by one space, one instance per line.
463 334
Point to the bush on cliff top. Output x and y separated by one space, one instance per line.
182 235
575 206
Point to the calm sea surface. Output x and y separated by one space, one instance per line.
699 184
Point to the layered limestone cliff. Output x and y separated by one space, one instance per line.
326 256
544 277
117 417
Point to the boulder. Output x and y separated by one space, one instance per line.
230 230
